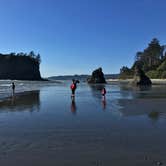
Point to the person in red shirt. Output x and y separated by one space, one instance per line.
73 87
103 92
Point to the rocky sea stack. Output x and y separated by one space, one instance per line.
20 66
140 79
97 77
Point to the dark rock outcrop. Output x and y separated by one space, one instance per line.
140 79
19 68
97 77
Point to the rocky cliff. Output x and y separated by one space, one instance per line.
140 79
16 67
97 77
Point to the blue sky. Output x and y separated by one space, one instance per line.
77 36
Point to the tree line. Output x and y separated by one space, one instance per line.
152 60
31 54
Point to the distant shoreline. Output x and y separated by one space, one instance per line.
154 81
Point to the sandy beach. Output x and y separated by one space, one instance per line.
44 127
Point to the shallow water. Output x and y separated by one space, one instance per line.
44 127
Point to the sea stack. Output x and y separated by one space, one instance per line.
140 79
19 67
97 77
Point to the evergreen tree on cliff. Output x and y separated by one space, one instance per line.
148 60
151 57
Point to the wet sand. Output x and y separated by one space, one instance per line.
45 127
140 106
125 81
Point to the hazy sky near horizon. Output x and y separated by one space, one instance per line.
77 36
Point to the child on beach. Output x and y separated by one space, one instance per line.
103 92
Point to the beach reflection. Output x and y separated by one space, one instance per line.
96 90
96 93
73 107
28 101
141 92
154 115
104 103
153 108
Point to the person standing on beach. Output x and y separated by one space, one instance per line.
13 88
103 92
73 87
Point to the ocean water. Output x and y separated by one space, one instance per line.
23 86
43 126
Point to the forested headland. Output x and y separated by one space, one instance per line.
152 60
20 66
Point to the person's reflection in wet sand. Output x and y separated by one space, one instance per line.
29 101
12 100
73 107
104 102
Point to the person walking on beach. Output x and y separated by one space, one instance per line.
13 88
